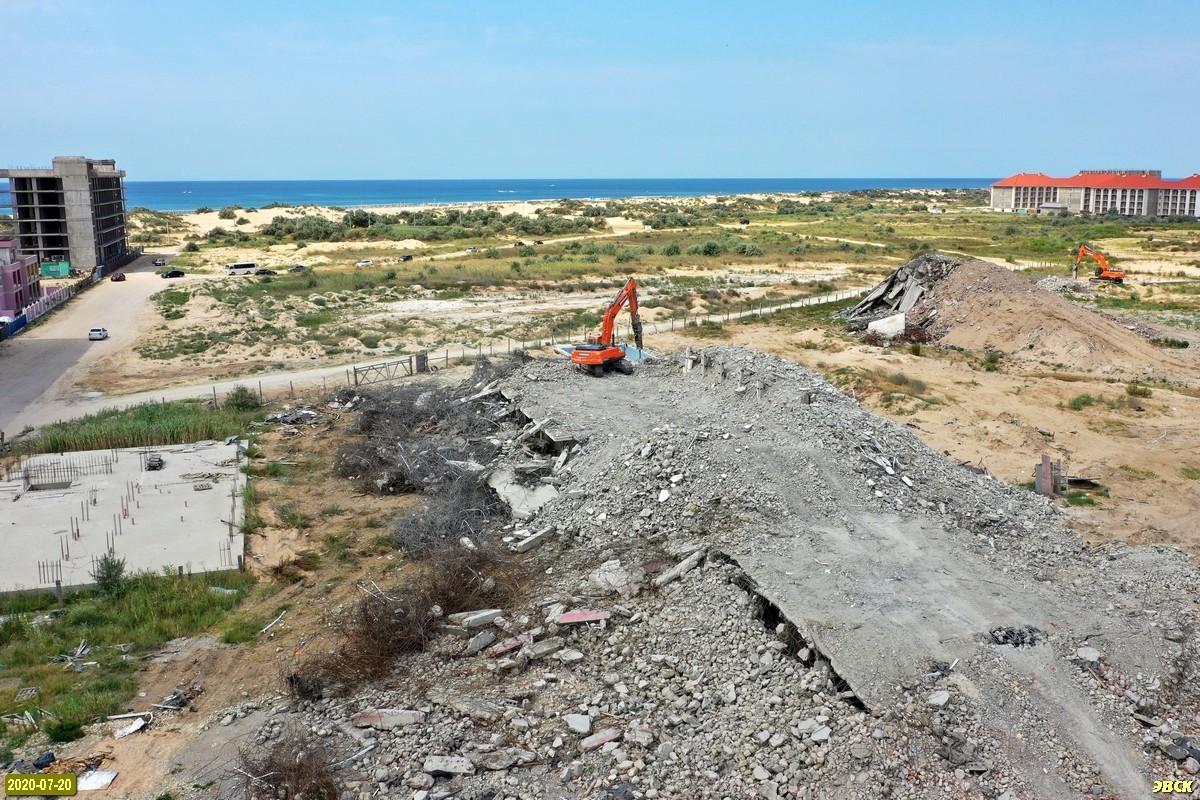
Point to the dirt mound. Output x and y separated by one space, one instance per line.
981 306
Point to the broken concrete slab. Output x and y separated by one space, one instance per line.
888 327
601 738
519 640
680 569
480 641
536 540
523 501
448 766
132 727
614 577
545 647
475 707
579 723
938 699
581 616
385 719
476 619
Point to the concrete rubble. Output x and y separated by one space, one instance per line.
810 613
900 291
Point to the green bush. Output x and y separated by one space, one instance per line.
1137 390
1080 402
228 212
204 210
109 575
671 249
242 398
64 731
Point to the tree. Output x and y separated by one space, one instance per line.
109 575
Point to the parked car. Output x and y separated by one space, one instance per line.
366 262
173 273
264 272
472 249
97 334
406 258
117 277
519 244
539 241
297 268
154 461
160 262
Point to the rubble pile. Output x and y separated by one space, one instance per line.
980 306
652 661
1066 287
900 291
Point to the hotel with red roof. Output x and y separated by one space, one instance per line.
1130 193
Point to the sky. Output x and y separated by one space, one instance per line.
260 89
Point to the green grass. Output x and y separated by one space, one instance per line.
149 611
240 631
1081 401
292 516
1191 473
146 425
1078 498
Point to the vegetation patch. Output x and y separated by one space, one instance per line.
145 425
1081 401
130 615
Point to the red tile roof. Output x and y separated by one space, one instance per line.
1100 180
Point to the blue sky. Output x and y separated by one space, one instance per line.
279 90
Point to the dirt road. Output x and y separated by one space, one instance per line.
47 359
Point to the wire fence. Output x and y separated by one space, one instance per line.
462 354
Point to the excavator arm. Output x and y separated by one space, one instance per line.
1084 250
627 295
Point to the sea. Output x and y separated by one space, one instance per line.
189 195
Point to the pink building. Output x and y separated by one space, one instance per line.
20 280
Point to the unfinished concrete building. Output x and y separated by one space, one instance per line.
1127 192
73 211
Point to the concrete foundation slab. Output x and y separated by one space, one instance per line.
187 514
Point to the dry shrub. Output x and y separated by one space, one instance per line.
460 508
293 569
413 437
488 368
293 766
385 625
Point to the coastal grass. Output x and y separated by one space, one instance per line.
136 615
145 425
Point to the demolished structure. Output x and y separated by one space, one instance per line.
742 595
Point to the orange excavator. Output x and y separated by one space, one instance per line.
601 354
1104 272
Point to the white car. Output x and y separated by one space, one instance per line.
96 334
366 262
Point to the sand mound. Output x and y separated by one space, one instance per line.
981 306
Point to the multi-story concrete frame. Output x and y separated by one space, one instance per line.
1130 193
20 280
74 211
